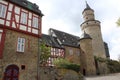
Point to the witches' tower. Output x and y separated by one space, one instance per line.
93 29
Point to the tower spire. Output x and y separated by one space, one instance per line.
87 6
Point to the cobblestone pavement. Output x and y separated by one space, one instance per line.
115 76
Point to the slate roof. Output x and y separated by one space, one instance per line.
66 39
28 5
51 41
106 49
87 7
85 36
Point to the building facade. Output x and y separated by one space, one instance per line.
20 34
20 29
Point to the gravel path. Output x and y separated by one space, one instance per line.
115 76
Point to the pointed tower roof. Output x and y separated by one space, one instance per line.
87 7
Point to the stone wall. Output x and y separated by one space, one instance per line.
73 57
50 73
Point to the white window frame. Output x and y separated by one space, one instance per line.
3 10
0 36
35 22
23 19
1 31
21 44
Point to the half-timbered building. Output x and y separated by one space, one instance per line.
57 50
70 44
20 29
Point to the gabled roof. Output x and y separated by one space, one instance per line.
51 41
66 38
28 5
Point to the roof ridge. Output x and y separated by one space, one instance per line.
65 33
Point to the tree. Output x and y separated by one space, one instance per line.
118 22
44 53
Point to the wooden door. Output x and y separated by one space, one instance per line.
11 73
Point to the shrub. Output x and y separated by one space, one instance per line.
63 63
114 66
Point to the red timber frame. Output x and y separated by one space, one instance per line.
55 54
17 24
2 42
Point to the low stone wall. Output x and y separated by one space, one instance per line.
58 74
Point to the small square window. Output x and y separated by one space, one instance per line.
23 67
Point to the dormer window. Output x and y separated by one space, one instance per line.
25 3
3 9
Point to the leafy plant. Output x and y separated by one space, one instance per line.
63 63
113 65
100 59
118 22
45 53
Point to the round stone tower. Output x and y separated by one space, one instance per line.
93 28
87 57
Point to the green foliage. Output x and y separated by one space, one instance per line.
118 22
45 53
63 63
114 66
100 59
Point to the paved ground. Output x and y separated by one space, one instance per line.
115 76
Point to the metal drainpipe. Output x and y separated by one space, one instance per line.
39 50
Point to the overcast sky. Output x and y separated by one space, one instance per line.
66 15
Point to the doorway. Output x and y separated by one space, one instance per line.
11 73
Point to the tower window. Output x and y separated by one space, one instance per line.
3 9
86 17
21 44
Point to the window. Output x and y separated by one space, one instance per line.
3 9
21 45
78 53
35 22
23 67
71 52
23 18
